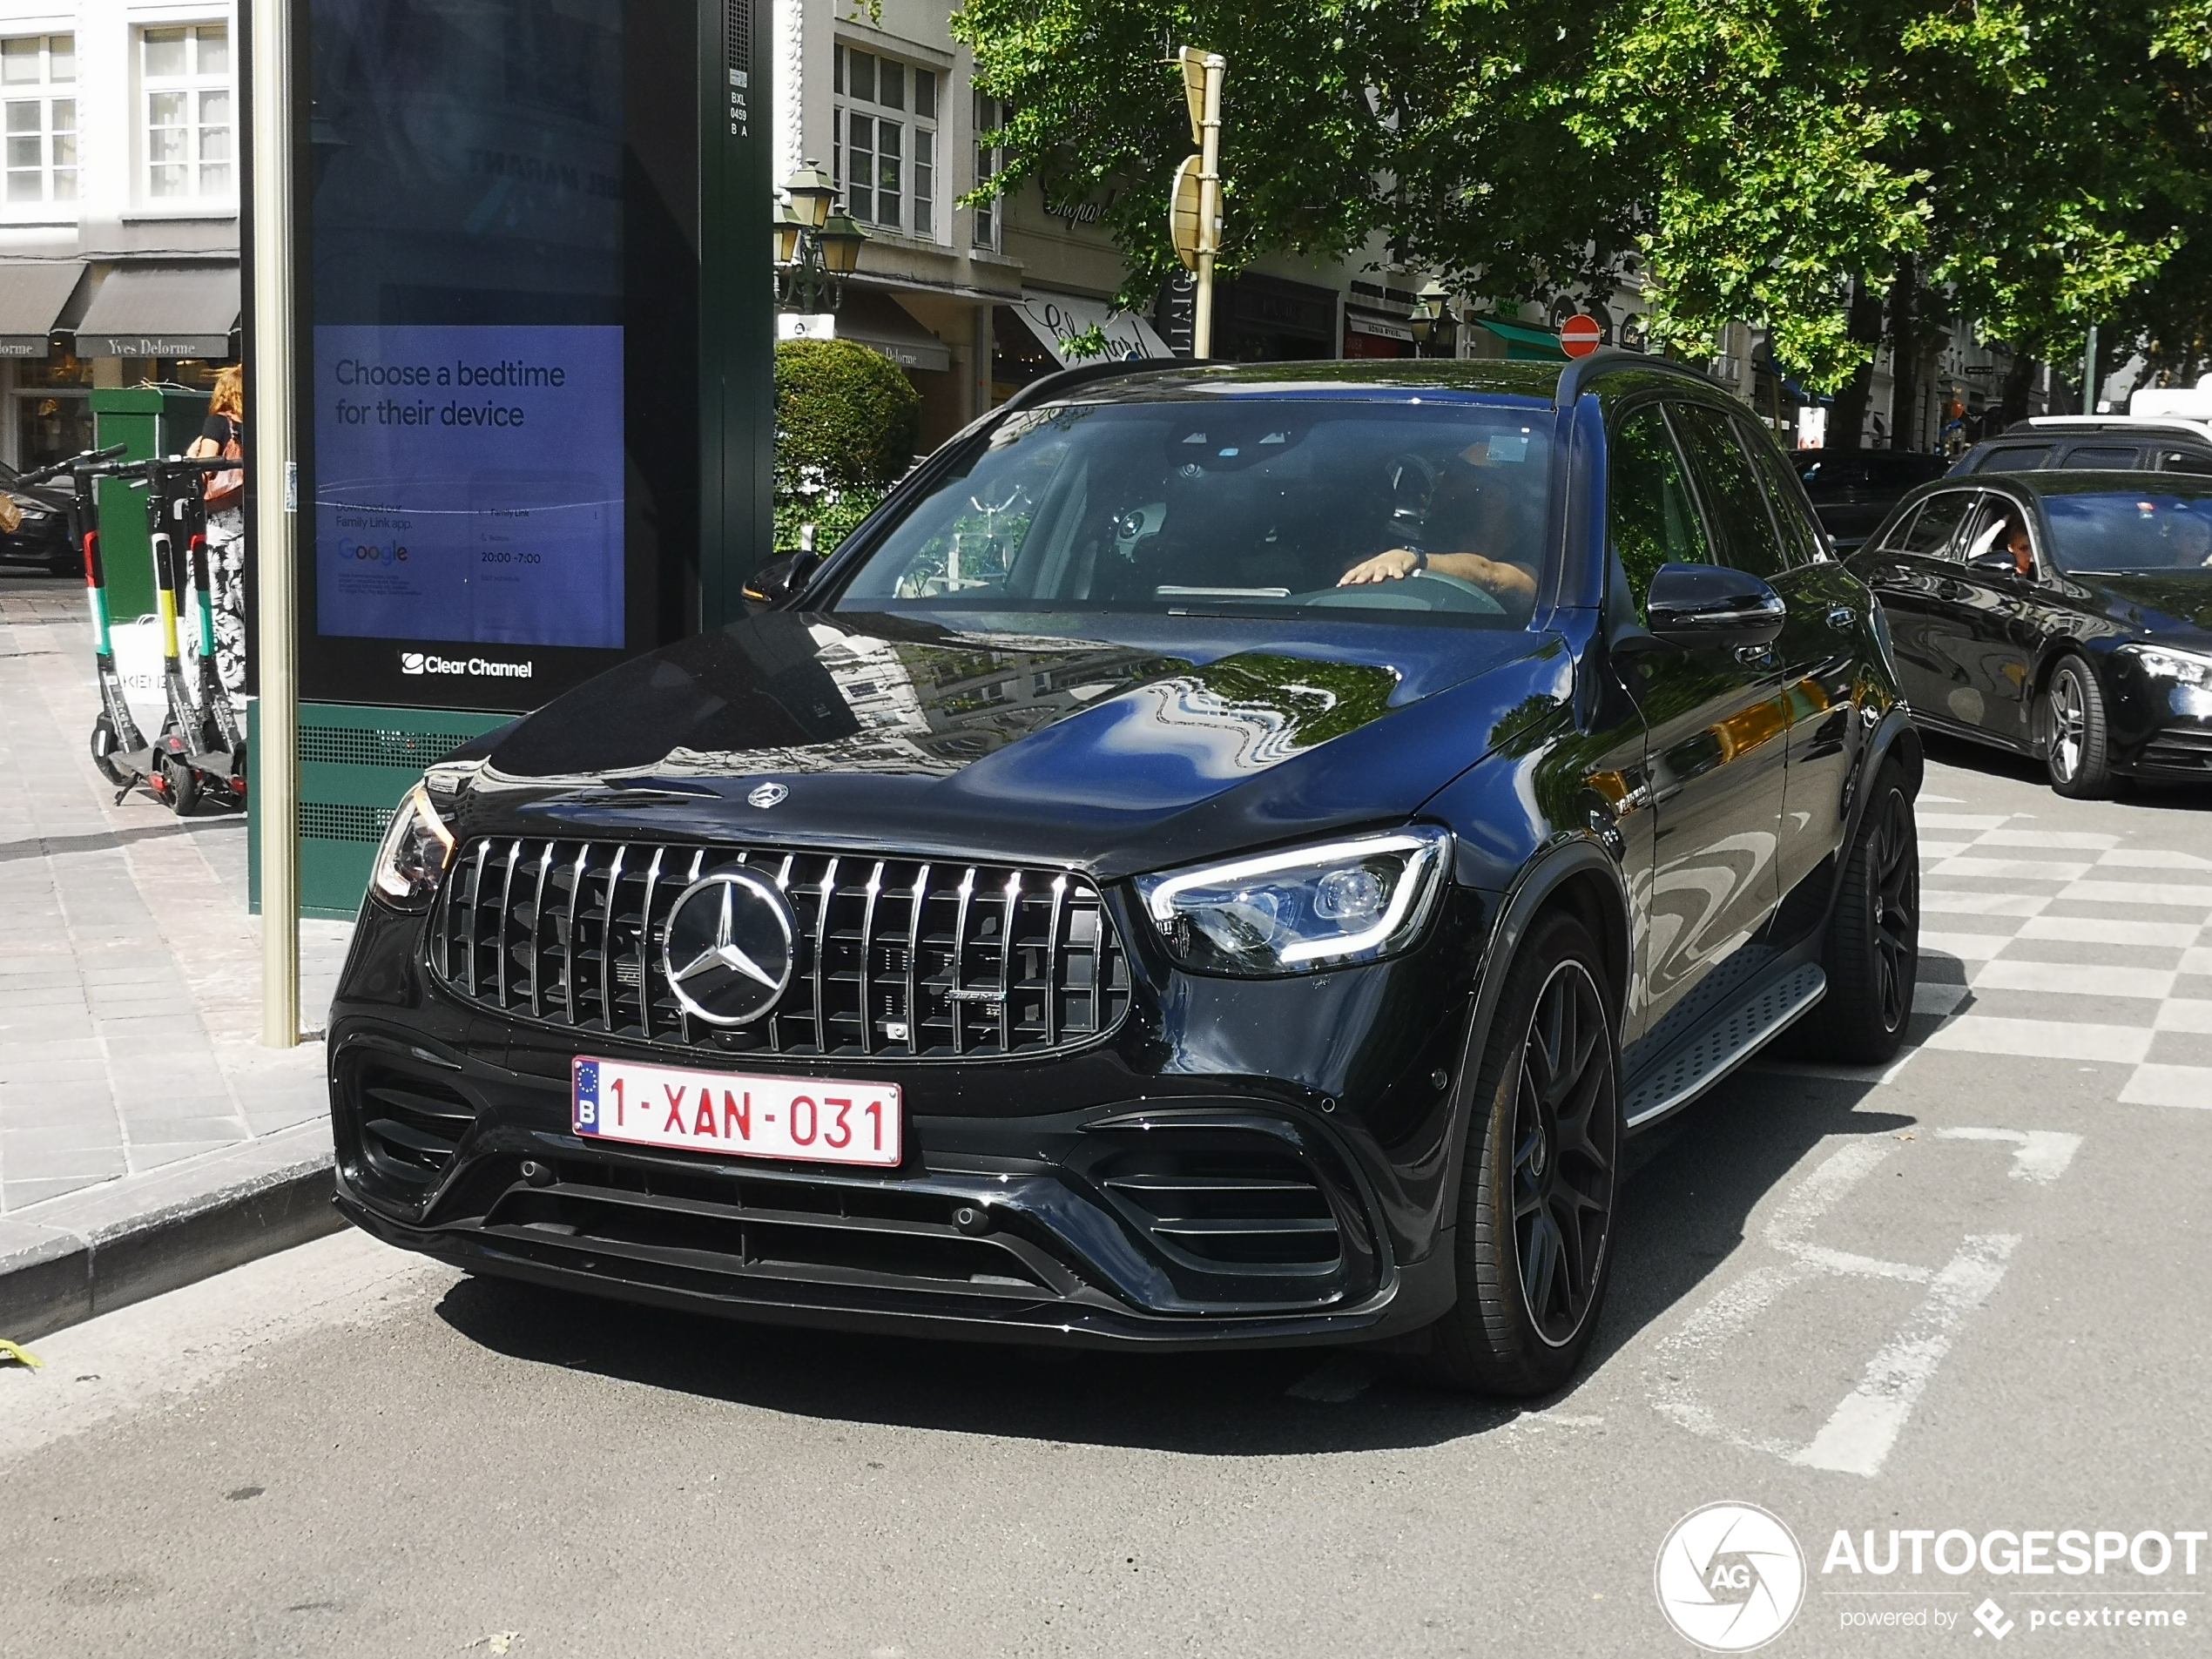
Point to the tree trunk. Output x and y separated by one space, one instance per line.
1847 419
1904 358
2018 379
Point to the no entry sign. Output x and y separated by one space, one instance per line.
1579 336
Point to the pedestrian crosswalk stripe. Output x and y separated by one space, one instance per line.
2043 1038
2169 1086
2066 979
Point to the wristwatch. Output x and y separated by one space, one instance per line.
1421 561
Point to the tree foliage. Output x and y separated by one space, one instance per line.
2046 161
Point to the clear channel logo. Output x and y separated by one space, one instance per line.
1730 1577
423 662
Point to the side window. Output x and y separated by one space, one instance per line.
2104 457
1738 512
1894 538
2196 461
1651 517
2016 457
1801 538
1999 525
1936 528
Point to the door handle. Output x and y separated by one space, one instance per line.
1749 655
1841 617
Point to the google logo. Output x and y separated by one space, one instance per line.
371 553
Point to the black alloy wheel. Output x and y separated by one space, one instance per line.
1565 1152
2076 741
1539 1180
1872 954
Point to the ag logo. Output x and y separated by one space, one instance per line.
410 662
1730 1577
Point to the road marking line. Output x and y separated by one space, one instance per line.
2042 1154
2077 840
1960 820
2151 857
2042 1038
1860 1434
2068 979
2184 1014
2197 959
2189 1086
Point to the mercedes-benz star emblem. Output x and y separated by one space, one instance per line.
765 795
728 953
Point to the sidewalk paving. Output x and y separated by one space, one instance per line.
129 973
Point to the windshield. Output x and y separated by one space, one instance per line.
1247 507
2169 528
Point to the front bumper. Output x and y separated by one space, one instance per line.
2160 727
1260 1166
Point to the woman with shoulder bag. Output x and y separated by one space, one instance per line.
223 435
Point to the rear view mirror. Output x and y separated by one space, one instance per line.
1710 604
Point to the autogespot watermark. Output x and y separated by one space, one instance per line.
1730 1577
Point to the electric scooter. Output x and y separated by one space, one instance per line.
202 752
115 732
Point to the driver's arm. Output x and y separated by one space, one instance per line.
1506 581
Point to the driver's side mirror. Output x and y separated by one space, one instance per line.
1698 605
1997 563
779 579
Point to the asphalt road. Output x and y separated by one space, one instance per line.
1972 1292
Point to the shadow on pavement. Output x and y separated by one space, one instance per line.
1695 1182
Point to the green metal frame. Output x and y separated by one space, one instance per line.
152 421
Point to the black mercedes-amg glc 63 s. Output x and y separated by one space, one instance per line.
1224 856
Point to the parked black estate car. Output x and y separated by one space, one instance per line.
1223 856
2067 615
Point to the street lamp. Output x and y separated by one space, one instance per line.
1432 323
817 243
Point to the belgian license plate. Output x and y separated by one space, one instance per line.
818 1120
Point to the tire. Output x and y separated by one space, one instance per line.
184 784
1541 1175
1872 955
105 744
2076 739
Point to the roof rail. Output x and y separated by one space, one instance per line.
1067 380
1609 358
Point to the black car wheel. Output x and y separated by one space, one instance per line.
1536 1199
2076 741
1872 958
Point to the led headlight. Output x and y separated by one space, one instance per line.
416 848
2163 662
1313 906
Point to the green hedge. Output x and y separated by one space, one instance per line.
845 410
847 423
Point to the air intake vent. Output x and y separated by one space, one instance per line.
737 32
898 957
1231 1212
410 1127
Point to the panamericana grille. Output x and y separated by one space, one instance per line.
899 957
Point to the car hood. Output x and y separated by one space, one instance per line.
2173 604
1138 745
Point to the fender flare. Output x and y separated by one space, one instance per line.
1896 735
1522 903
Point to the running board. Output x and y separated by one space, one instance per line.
1689 1070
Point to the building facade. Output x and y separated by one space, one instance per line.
119 219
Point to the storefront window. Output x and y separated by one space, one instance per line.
51 426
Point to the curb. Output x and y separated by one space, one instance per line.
84 1254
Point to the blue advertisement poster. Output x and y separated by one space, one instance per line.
468 484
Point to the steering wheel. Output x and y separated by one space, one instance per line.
1440 592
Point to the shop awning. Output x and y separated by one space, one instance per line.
1363 322
162 310
882 324
1056 319
31 298
1524 343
